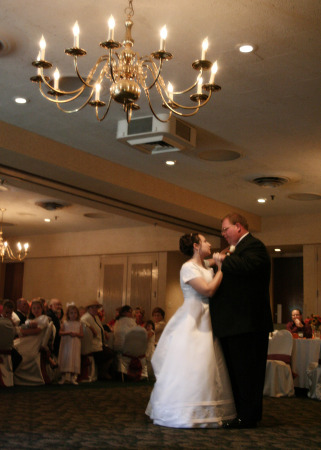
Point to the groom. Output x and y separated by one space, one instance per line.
241 317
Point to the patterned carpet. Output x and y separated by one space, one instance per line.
111 415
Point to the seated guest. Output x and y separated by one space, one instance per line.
297 324
103 355
8 323
29 345
54 312
22 310
139 316
158 315
124 323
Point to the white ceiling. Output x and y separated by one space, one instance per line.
268 109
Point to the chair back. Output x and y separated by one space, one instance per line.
7 333
135 342
49 335
280 344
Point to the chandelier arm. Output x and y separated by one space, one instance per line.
79 90
77 109
91 73
152 110
12 256
105 113
111 70
159 69
59 101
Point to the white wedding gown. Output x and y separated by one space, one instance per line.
192 386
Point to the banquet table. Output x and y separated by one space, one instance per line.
304 352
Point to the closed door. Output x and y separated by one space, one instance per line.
128 279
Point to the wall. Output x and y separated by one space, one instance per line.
290 230
174 295
67 265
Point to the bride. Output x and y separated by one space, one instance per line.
192 386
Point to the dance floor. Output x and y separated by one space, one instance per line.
111 415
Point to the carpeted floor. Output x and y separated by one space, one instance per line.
111 415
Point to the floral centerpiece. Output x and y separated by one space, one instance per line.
315 321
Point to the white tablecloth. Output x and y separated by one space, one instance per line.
304 352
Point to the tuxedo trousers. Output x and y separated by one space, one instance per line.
245 356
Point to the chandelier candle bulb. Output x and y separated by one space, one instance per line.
111 25
170 90
76 35
42 44
199 85
204 48
38 69
56 78
97 94
213 72
163 35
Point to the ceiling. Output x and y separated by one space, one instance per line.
268 110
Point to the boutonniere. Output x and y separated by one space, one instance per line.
231 250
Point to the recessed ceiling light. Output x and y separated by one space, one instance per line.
47 220
170 163
20 100
277 249
261 200
246 48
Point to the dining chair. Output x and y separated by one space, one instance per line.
278 374
132 358
6 341
314 379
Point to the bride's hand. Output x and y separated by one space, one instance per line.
217 260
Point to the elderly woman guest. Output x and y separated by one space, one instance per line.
158 315
297 324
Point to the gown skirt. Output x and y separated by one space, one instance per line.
192 388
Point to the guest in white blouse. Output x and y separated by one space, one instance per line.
124 323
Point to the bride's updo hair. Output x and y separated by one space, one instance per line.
186 243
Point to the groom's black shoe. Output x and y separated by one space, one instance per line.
239 424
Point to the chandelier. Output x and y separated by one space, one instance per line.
5 249
123 74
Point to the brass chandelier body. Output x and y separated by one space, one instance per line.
5 250
127 74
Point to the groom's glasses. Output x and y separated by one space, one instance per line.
223 230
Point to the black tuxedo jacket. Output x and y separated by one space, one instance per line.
242 302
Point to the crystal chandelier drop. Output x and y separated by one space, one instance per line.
5 249
124 74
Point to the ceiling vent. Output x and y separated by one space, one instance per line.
51 205
270 182
151 136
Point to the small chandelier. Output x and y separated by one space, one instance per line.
126 74
5 249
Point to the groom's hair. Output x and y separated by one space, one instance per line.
237 218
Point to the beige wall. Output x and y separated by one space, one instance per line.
174 295
66 265
291 230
